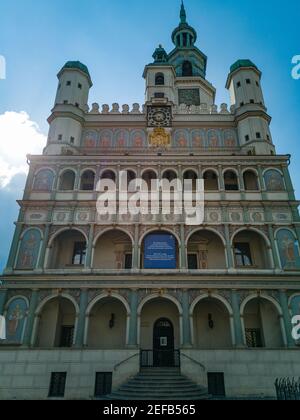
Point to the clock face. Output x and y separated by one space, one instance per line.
159 116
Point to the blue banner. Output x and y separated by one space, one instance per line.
160 252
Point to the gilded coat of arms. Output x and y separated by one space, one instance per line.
159 137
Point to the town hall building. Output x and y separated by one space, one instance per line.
99 304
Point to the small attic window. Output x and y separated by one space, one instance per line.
238 84
79 86
68 83
187 69
77 105
72 140
251 101
258 135
248 81
247 138
159 79
60 137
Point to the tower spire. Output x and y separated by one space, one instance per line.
182 13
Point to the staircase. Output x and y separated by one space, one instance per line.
160 384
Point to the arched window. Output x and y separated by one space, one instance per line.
250 181
231 181
159 79
187 69
274 180
43 180
87 181
67 181
211 181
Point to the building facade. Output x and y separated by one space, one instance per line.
79 295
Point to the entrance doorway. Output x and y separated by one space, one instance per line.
163 343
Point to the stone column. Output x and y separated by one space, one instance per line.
288 182
286 318
238 329
89 248
30 318
262 183
183 248
3 296
221 182
230 261
132 336
273 245
41 262
79 338
136 248
186 325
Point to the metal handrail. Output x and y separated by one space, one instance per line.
125 361
194 361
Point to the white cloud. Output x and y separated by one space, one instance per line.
19 136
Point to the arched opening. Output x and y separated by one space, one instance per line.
107 325
113 251
56 324
160 250
148 177
170 175
231 181
262 324
109 175
251 250
191 177
159 79
67 181
211 181
87 182
68 250
131 176
187 69
212 329
159 327
206 251
250 181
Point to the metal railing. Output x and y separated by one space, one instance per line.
287 389
194 361
125 361
160 358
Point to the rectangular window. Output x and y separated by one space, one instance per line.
79 86
216 384
243 255
77 105
238 84
258 135
193 262
66 336
79 253
254 338
128 261
60 137
66 102
103 384
57 385
251 101
242 104
159 95
247 138
68 83
72 140
248 81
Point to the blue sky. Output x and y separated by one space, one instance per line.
115 39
